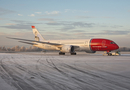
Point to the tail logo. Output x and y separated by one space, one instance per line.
36 37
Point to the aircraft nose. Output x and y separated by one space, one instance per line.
116 46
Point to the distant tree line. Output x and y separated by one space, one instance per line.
20 49
124 49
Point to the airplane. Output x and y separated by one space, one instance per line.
71 46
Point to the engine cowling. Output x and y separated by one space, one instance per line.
67 49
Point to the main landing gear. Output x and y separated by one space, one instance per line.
108 53
62 53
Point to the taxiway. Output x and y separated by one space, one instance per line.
50 71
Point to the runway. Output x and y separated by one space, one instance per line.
50 71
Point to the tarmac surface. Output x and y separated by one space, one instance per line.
50 71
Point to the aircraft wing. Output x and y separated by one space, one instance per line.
21 40
28 43
32 42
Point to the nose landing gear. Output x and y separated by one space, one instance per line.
108 53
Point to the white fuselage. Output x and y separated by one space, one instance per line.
84 44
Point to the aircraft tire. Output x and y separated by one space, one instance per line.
61 53
73 53
109 54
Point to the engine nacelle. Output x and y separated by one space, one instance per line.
67 49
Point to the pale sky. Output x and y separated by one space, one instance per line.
65 19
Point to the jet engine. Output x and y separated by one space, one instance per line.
67 49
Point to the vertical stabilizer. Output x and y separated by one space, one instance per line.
38 36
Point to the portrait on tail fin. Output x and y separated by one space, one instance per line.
38 36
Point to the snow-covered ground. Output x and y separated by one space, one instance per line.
49 71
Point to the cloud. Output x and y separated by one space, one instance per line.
108 17
10 24
5 11
38 12
67 28
82 33
74 24
32 15
24 22
1 18
47 13
45 19
53 35
75 11
82 24
84 17
87 17
20 15
19 25
116 26
52 13
109 32
18 21
77 31
67 10
55 23
85 11
71 25
117 32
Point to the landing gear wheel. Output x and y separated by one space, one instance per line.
73 53
109 54
61 53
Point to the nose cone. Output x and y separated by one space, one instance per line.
116 46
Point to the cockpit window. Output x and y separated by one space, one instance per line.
112 43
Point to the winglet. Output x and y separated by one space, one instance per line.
33 26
